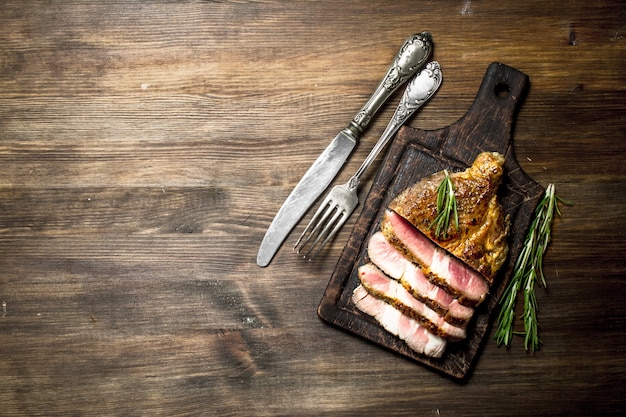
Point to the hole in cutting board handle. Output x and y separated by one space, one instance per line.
502 90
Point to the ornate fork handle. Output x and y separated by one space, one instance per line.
409 59
343 199
418 91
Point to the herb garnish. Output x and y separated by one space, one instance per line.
446 207
527 272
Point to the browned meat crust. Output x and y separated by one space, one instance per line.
481 240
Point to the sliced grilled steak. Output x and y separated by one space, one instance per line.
415 336
439 267
383 287
395 265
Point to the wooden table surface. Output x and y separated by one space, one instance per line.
146 146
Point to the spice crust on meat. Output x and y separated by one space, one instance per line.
481 237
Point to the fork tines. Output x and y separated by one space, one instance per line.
326 222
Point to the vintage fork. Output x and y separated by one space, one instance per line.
343 199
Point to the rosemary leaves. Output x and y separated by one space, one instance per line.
446 207
527 273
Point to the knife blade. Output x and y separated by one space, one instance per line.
410 58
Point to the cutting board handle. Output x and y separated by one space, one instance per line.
502 87
487 125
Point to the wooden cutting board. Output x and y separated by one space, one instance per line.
413 155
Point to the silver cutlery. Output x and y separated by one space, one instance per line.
412 56
343 199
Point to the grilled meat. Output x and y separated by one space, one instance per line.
459 280
481 240
415 336
381 286
422 287
395 265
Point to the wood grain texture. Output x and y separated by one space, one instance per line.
146 146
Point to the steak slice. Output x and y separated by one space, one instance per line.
392 320
462 282
383 287
395 265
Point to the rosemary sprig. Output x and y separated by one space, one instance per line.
527 272
446 207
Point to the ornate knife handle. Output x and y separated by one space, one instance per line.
409 59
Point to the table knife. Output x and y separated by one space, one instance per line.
410 58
